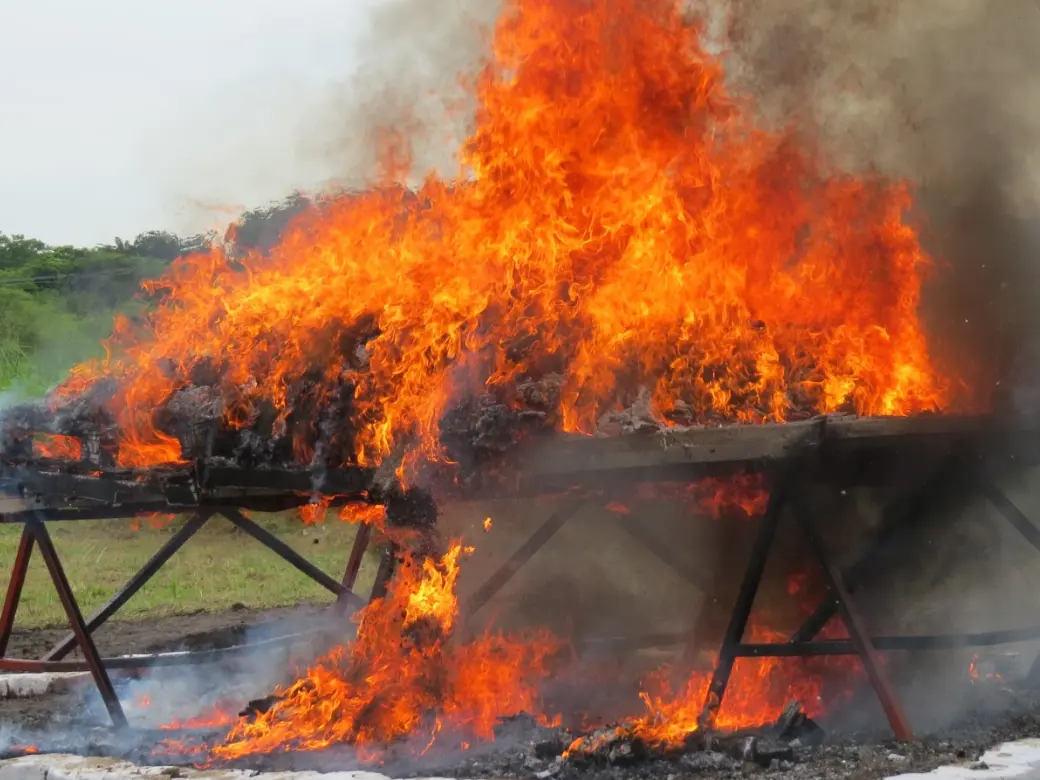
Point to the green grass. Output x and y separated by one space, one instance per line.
216 569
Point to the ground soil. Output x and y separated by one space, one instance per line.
197 631
156 635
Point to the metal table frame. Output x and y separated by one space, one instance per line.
789 455
789 470
35 534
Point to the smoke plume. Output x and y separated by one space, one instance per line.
408 95
942 92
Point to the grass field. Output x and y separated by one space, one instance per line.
218 568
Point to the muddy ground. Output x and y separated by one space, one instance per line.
989 712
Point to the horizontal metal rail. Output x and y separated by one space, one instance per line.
829 646
150 660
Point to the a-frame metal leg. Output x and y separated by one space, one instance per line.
134 584
14 587
839 595
83 638
353 568
1017 518
387 567
524 553
742 608
288 554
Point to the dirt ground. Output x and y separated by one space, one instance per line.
195 631
198 631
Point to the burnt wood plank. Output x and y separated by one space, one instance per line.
585 455
732 443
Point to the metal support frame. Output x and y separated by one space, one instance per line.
948 483
1029 532
350 573
784 494
899 519
535 542
35 534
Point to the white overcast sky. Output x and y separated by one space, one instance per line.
118 116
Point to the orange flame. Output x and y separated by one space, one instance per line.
314 512
156 520
976 675
57 446
719 495
401 670
403 678
617 219
220 715
366 514
758 691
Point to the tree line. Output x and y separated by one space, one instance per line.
57 302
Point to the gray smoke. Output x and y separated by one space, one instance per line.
943 92
408 90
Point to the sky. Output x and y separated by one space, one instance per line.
120 116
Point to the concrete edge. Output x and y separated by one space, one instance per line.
1019 760
66 767
24 685
20 685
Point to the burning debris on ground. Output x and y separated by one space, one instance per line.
523 748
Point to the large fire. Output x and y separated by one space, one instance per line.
618 220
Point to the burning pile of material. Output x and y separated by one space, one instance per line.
407 684
620 236
622 247
402 678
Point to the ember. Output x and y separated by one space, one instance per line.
620 237
156 520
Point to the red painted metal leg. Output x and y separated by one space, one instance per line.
138 581
77 624
14 587
857 632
